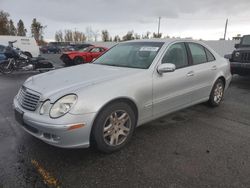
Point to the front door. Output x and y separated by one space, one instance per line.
172 90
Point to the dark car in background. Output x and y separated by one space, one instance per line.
50 49
85 55
240 58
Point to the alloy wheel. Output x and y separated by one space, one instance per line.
116 128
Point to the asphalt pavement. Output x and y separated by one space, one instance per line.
196 147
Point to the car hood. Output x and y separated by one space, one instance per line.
243 48
72 79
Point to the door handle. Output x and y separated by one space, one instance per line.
191 73
214 67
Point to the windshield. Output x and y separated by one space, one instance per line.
246 40
131 55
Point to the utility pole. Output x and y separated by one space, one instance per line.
159 24
225 33
74 37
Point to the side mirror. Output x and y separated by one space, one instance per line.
166 67
228 56
237 45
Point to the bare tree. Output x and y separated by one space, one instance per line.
137 36
117 38
96 34
59 36
89 34
128 36
105 36
146 36
79 36
156 35
68 35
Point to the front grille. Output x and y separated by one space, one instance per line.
245 57
28 99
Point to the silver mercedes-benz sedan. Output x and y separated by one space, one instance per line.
133 83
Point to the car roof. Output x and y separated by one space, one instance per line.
167 40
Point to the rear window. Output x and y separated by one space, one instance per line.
210 56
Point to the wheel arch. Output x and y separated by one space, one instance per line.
221 78
127 100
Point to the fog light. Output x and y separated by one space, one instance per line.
55 137
47 135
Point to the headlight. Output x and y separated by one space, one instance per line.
237 54
62 106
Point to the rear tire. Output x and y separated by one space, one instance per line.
113 127
28 54
217 93
78 60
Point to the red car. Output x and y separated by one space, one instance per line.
85 55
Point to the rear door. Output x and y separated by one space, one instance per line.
204 68
173 90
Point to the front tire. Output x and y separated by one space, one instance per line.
7 68
114 127
78 60
217 93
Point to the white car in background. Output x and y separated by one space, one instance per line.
27 44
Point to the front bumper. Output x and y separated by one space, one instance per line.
240 68
55 131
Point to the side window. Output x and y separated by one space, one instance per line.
198 53
95 50
177 55
210 56
1 48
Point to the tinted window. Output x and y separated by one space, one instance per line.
246 40
198 53
177 55
210 56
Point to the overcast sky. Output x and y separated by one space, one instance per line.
181 18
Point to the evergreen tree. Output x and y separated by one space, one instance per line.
37 30
12 28
4 23
21 31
